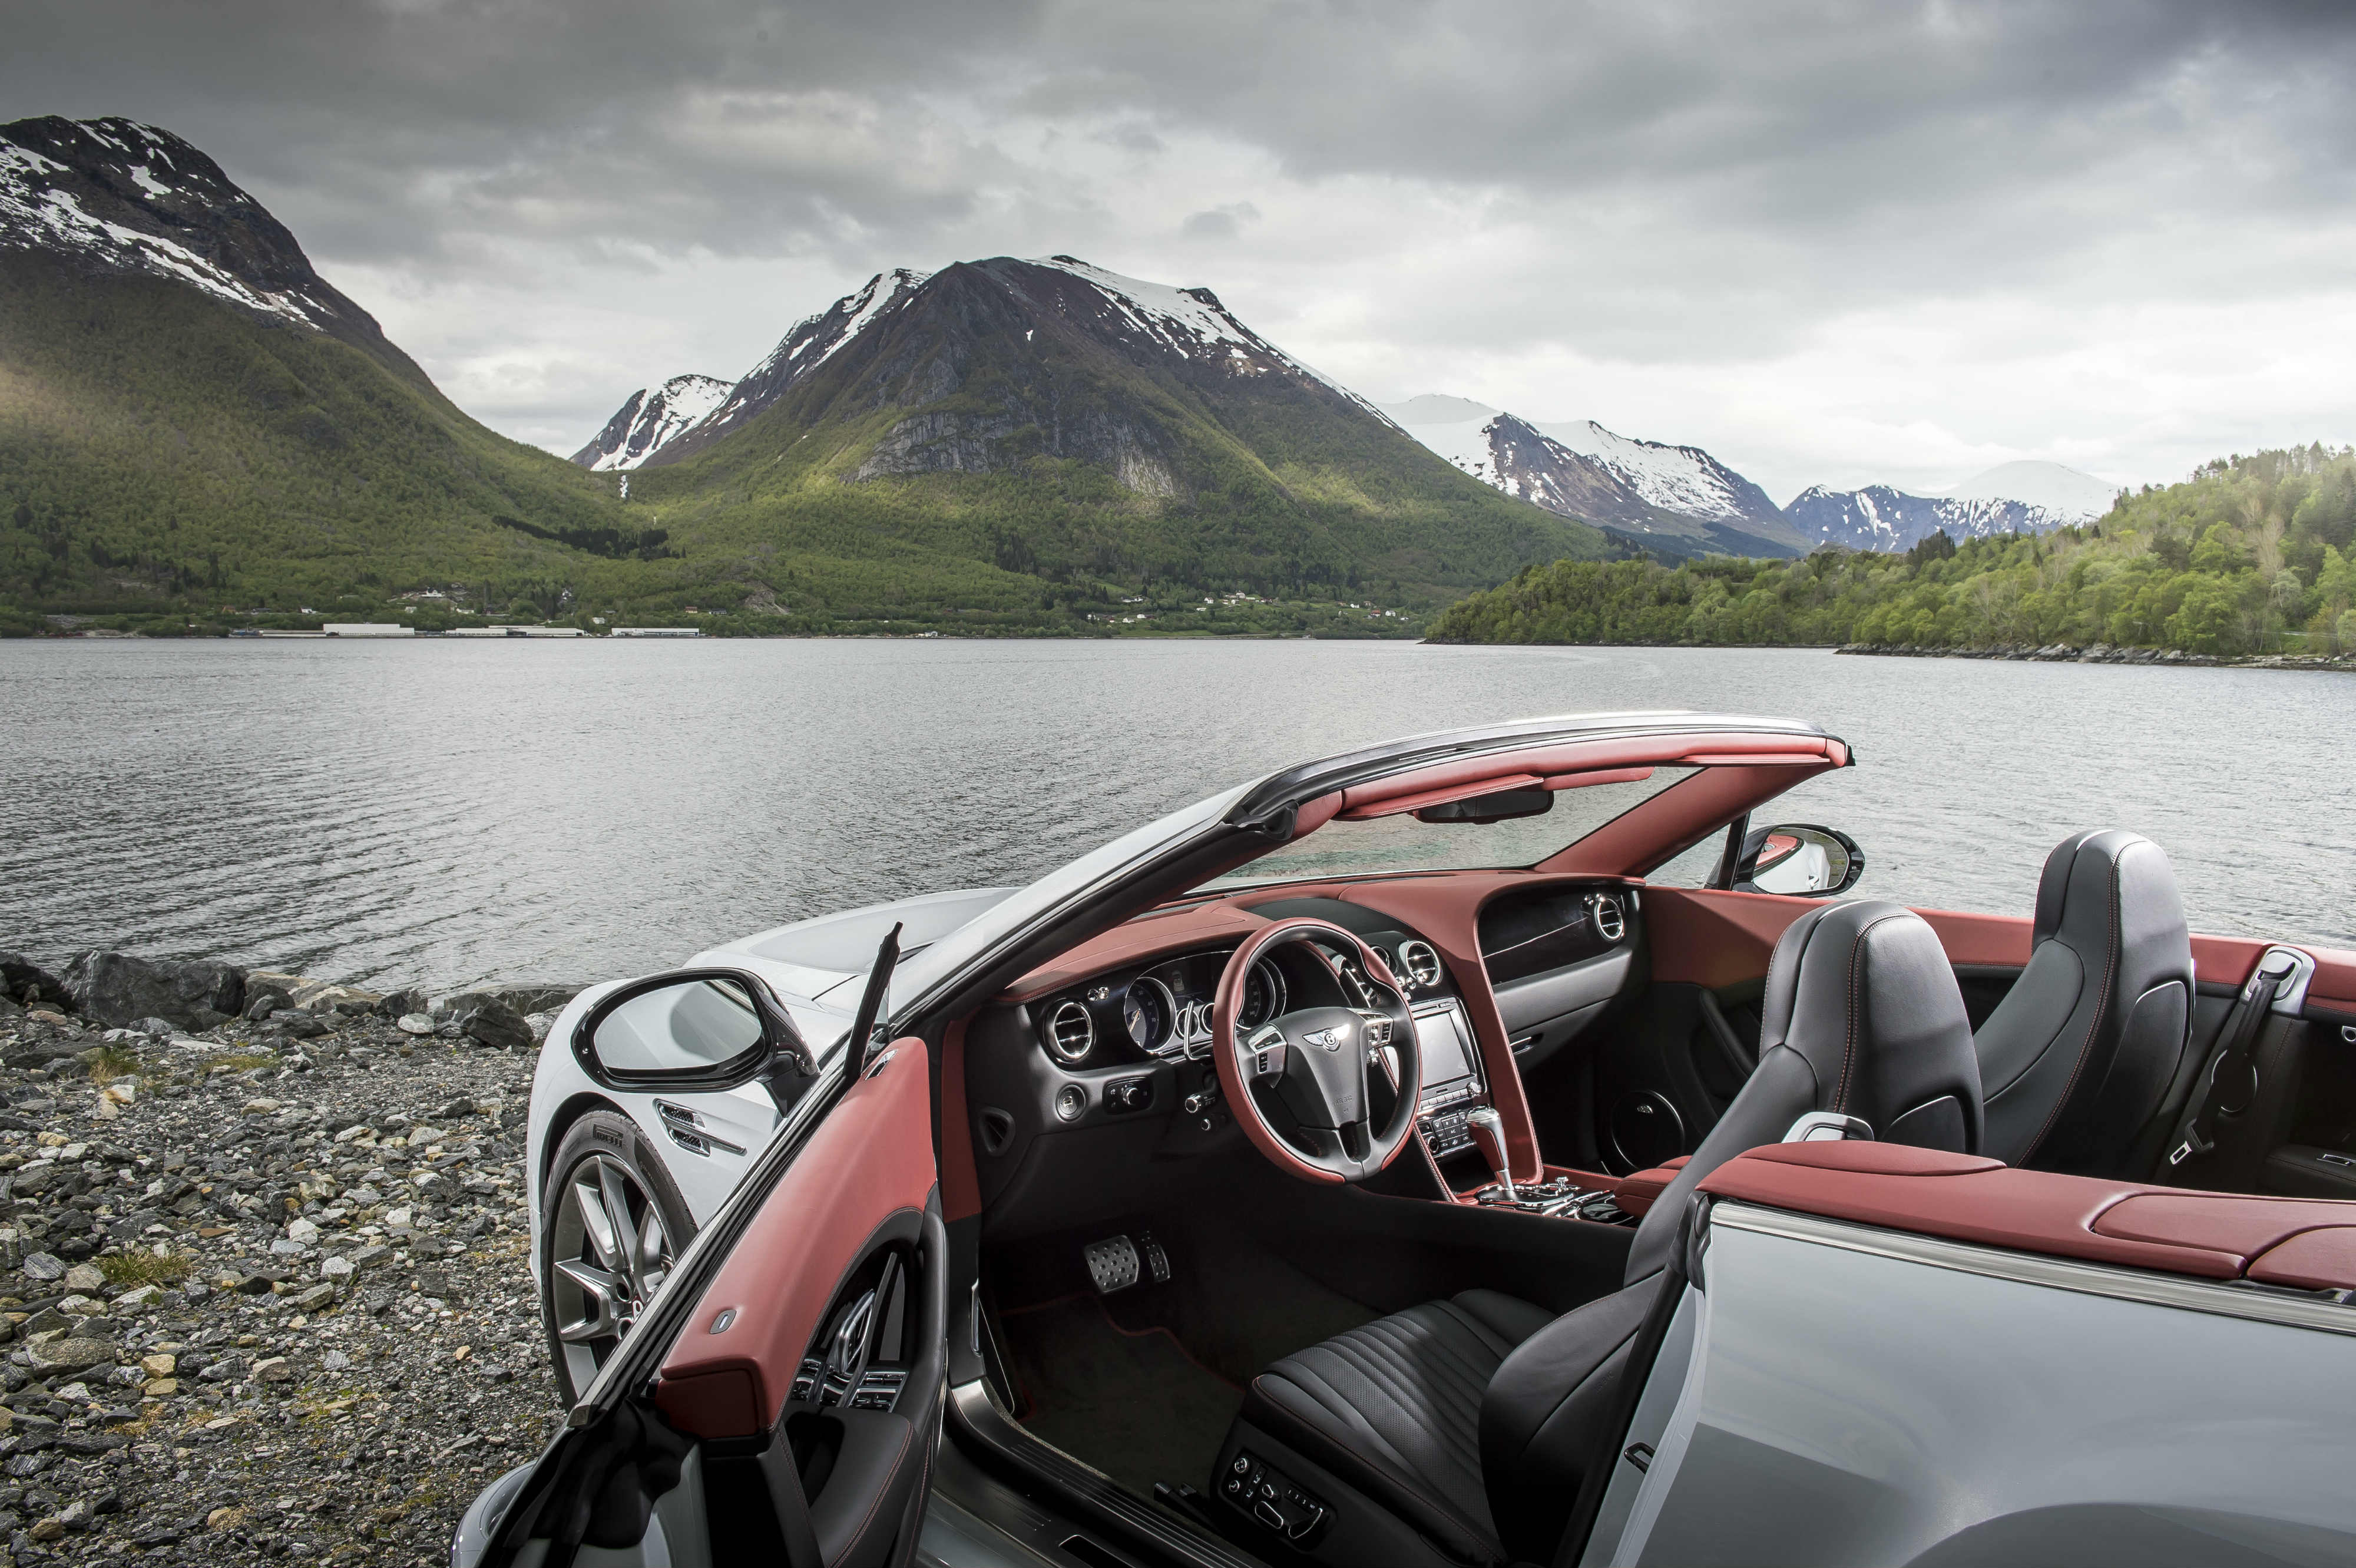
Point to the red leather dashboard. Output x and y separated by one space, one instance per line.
2308 1242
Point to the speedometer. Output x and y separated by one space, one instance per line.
1147 1014
1263 995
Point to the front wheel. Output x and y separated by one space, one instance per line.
612 1224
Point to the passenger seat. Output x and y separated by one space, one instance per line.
2076 1060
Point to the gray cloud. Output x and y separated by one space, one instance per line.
1651 213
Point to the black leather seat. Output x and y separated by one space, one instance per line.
1473 1421
2077 1059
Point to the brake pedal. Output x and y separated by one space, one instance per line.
1118 1263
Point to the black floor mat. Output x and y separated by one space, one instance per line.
1133 1404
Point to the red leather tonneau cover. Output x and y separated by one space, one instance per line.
2310 1243
870 1158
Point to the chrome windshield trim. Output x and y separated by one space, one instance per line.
2256 1304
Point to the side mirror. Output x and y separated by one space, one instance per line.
1798 861
691 1030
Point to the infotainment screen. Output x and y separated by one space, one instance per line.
1447 1048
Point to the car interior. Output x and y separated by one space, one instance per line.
1407 1367
1311 1213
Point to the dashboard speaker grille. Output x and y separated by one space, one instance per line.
1070 1031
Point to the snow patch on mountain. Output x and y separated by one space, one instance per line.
2058 491
1880 516
1192 324
1683 479
114 196
649 418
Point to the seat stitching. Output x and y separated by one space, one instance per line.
1406 1483
2102 1008
1856 991
1386 1367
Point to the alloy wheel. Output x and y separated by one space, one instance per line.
611 1253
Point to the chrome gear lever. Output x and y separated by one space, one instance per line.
1488 1131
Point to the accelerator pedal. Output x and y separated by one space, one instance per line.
1118 1263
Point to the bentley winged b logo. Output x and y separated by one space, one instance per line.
1330 1039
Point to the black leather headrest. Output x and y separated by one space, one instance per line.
1866 995
2089 876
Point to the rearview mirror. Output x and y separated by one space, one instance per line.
691 1030
1798 861
1500 805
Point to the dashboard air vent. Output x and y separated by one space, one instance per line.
1070 1032
1610 919
1419 964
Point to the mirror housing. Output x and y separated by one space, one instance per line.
689 1030
1497 806
1798 860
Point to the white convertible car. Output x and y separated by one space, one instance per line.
1488 1147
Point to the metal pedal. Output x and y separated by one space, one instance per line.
1118 1263
1113 1265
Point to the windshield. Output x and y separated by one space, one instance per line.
1402 843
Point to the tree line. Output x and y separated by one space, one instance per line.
2251 554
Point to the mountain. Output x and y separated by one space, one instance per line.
189 414
1880 518
973 434
1668 500
651 417
2062 493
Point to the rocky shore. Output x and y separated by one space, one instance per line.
264 1290
2104 653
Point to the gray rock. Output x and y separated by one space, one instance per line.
262 1001
115 988
521 999
18 973
162 1029
42 1266
494 1023
300 1025
414 1024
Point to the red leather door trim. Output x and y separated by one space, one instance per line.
960 1179
870 1159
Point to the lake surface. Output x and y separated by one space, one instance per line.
440 813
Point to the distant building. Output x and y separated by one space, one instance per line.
367 629
658 631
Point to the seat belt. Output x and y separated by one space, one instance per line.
2231 1084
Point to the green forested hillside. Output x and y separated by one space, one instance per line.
2251 555
160 448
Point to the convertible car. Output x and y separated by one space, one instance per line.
1488 1147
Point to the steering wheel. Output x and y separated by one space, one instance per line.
1314 1061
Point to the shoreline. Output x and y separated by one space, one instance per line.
2104 653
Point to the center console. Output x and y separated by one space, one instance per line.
1451 1076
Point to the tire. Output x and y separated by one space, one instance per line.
593 1288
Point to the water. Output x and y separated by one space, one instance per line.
447 811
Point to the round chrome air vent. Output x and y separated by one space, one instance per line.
1070 1032
1419 964
1610 918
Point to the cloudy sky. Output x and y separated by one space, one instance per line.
1830 243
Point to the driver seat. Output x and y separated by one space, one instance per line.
1465 1427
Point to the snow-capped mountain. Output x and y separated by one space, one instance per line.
112 196
1149 322
649 418
1583 470
1880 518
2061 493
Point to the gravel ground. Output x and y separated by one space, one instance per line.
264 1290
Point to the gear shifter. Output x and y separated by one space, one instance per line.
1488 1130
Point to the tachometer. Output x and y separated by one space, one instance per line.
1147 1014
